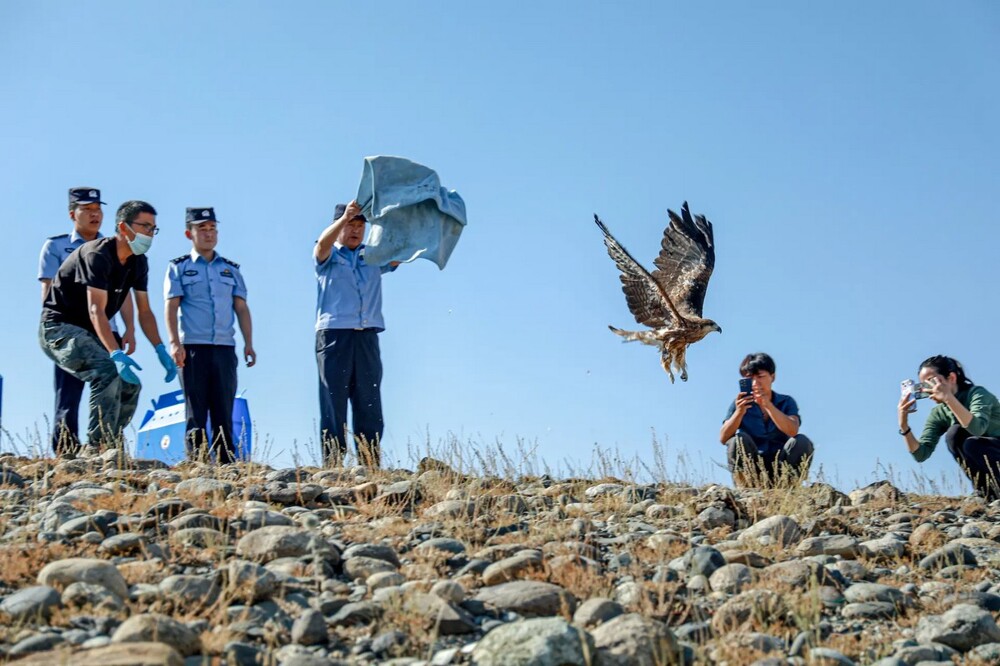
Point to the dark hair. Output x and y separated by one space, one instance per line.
130 210
754 363
944 366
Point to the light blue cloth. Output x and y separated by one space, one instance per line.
54 253
206 289
411 214
349 290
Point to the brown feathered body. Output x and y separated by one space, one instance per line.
669 300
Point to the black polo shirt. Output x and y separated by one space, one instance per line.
93 264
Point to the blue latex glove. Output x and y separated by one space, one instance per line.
167 362
124 365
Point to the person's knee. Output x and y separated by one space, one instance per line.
800 446
954 440
740 448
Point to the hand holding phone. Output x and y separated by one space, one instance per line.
746 385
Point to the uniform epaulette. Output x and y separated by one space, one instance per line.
231 263
179 260
58 236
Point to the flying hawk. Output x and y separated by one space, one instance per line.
670 299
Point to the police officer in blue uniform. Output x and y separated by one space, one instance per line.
86 213
205 294
348 321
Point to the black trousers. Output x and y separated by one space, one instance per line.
66 428
350 370
793 458
209 382
66 421
979 458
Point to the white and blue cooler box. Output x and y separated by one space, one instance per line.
161 435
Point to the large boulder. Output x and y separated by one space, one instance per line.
539 642
62 573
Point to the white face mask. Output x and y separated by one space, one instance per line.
140 244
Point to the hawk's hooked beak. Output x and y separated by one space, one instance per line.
718 328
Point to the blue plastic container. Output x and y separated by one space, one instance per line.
161 434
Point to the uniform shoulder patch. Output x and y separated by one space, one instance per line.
230 262
58 236
179 260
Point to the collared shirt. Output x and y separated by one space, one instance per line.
55 250
985 422
206 290
93 264
764 432
349 291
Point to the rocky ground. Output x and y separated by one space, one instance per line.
113 562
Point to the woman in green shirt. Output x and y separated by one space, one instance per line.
968 416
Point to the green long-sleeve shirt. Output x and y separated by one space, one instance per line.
985 410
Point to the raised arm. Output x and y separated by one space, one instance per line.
324 246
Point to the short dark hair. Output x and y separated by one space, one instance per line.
944 366
130 210
754 363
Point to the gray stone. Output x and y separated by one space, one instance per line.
190 591
633 640
374 550
82 595
449 590
596 610
862 592
445 545
201 488
270 543
539 642
946 556
35 643
603 490
714 516
871 610
440 616
32 604
9 477
151 627
824 656
884 548
249 581
451 509
528 598
128 543
310 629
258 518
962 628
61 573
359 612
199 537
512 568
702 560
834 544
782 530
125 654
731 578
363 567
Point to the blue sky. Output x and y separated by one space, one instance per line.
847 153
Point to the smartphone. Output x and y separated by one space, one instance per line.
746 385
907 389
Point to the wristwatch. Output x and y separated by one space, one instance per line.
906 432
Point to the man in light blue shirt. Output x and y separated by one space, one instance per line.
87 215
205 295
348 321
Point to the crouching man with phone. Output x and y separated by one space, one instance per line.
761 430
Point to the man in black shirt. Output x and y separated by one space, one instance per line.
87 291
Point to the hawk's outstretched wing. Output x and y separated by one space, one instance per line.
686 261
645 296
